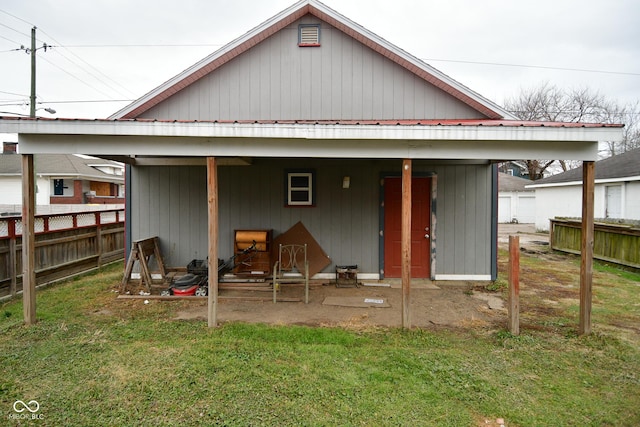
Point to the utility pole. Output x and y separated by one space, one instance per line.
29 210
32 51
32 102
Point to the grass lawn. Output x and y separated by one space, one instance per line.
91 360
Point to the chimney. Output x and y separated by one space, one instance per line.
9 147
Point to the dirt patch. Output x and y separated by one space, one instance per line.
457 304
442 305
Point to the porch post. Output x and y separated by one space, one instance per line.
406 243
586 250
212 204
28 240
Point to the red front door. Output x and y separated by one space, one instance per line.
420 227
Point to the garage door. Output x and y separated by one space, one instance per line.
504 209
526 209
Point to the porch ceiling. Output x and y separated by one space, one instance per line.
468 140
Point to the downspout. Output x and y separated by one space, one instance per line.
127 211
494 221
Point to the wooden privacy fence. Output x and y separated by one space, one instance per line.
66 244
611 242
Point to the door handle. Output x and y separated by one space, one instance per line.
426 236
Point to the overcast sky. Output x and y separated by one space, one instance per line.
120 49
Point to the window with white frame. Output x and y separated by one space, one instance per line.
300 189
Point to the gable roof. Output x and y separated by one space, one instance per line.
508 182
328 15
622 167
61 165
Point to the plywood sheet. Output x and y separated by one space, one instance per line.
298 234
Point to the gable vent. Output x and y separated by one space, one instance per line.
309 35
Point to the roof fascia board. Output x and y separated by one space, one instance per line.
311 131
300 147
284 18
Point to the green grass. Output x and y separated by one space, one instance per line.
91 360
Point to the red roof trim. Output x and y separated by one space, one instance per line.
430 122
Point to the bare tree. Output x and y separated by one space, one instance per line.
550 103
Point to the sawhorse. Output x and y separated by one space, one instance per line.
142 251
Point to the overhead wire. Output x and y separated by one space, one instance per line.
544 67
92 67
74 76
101 77
94 74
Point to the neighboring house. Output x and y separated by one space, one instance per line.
513 169
616 195
62 179
310 117
516 204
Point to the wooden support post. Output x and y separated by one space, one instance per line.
514 285
212 204
586 249
405 244
28 240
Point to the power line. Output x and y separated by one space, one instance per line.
13 93
13 29
75 77
96 75
11 41
142 45
534 66
85 101
91 66
16 17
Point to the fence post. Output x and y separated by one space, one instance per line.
514 285
98 238
13 255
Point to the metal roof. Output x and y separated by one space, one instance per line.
412 122
483 140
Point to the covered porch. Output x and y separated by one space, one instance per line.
148 142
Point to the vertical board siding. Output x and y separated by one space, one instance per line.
340 80
171 203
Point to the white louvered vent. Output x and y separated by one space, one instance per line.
309 35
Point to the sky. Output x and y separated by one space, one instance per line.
104 54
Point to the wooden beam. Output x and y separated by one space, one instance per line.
212 205
28 240
514 285
586 249
405 244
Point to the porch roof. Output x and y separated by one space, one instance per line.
417 139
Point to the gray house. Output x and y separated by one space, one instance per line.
312 118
